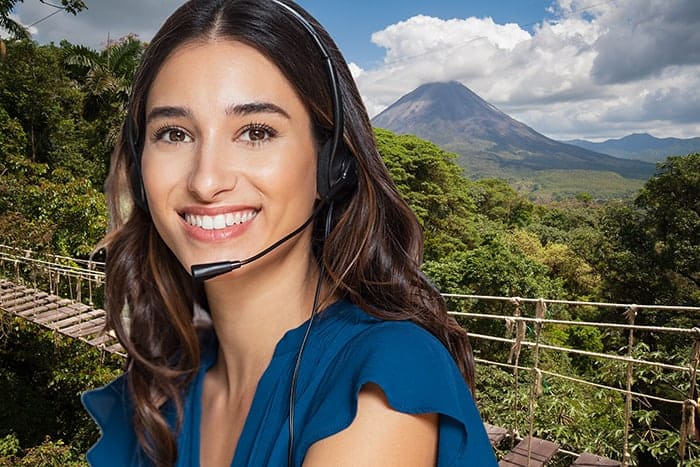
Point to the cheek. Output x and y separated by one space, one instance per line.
299 180
159 176
159 179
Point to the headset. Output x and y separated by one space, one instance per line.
336 179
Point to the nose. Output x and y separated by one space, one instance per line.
211 174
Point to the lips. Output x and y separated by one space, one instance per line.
220 221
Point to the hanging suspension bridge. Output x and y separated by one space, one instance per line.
65 295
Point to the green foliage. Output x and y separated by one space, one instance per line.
588 339
16 30
13 140
47 454
496 267
54 212
577 417
651 248
546 186
576 275
105 77
499 202
431 182
49 190
35 91
41 377
9 446
671 204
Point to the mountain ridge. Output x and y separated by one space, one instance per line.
642 146
488 141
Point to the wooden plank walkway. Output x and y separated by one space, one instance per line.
495 433
540 452
73 319
591 460
530 452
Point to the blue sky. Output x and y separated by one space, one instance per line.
592 69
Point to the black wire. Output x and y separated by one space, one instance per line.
284 239
302 345
43 19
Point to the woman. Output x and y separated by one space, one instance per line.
326 345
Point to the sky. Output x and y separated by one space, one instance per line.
591 69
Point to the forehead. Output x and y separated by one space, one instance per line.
219 70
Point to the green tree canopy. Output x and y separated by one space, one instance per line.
671 204
432 184
652 248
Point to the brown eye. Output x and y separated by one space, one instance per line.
256 134
177 136
172 135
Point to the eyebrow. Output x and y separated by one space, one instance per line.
256 107
169 111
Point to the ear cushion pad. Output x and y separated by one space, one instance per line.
336 175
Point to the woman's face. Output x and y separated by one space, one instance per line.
229 161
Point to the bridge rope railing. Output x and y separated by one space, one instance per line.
515 329
73 278
521 332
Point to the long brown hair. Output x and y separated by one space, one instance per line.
372 255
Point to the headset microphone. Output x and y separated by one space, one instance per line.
202 272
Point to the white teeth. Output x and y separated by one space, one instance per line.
220 221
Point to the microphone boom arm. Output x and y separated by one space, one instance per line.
202 272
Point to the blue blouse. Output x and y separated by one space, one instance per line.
347 348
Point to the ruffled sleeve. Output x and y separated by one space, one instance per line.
111 408
417 375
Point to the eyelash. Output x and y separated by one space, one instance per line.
270 133
162 131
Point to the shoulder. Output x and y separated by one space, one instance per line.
396 342
414 373
397 355
379 435
357 335
111 408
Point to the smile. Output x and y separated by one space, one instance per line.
220 221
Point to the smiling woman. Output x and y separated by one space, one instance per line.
246 138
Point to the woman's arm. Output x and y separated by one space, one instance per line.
379 436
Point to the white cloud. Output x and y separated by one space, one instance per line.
355 70
643 41
607 71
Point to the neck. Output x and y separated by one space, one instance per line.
254 307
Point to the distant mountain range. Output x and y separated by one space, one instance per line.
490 142
642 146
